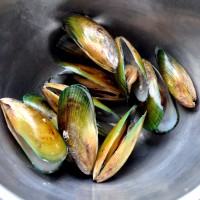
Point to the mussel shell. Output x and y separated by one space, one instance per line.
40 104
77 123
176 78
94 40
95 75
101 84
171 116
52 92
37 136
117 147
51 97
153 104
128 55
99 92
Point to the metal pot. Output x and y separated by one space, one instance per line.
161 167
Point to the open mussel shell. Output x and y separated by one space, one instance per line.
171 117
176 78
131 74
40 104
117 146
94 40
37 136
153 104
77 123
101 84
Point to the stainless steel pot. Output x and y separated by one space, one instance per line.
161 167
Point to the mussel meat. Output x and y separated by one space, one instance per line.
131 73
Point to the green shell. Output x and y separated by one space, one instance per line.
36 135
153 104
94 40
117 146
77 123
176 78
128 55
171 116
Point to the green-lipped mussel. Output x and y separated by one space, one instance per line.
94 40
176 78
171 117
153 105
117 146
101 84
36 135
77 123
131 73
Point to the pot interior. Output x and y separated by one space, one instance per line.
161 167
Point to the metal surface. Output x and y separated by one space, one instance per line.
166 167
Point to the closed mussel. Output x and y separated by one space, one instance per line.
176 78
94 40
77 124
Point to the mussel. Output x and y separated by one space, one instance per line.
77 123
39 103
131 74
101 84
170 116
153 105
117 146
36 135
176 78
94 40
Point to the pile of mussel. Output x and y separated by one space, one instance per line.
63 124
